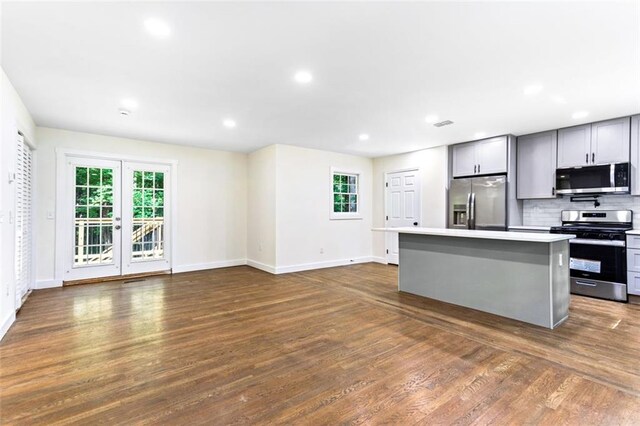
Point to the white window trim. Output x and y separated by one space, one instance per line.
345 216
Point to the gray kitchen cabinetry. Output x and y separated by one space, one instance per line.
487 156
633 263
536 165
635 155
604 142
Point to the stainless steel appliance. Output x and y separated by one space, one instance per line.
597 257
478 203
609 179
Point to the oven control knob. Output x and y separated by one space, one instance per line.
602 236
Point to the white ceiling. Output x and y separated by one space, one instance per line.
379 68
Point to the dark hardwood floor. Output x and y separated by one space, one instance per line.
338 345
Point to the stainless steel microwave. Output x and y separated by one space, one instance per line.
603 179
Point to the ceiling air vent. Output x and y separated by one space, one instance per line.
443 123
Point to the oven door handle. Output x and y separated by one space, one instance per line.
592 242
586 283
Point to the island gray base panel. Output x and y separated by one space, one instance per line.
514 279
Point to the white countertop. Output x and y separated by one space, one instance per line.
533 228
535 237
634 232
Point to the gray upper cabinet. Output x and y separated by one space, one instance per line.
635 155
536 165
610 141
464 159
604 142
488 156
574 146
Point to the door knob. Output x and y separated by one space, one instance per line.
415 223
117 226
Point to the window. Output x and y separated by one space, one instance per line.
345 201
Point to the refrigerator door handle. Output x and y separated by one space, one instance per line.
472 211
468 210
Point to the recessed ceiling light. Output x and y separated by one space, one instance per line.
532 89
479 135
579 114
129 103
229 123
303 77
559 99
431 119
363 137
157 28
124 112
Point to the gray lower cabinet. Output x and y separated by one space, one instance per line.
603 142
635 155
536 165
633 264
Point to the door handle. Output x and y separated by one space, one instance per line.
415 223
553 190
478 168
468 209
474 168
586 283
586 159
593 157
117 226
472 212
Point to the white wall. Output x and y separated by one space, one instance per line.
261 205
13 117
212 198
432 163
303 205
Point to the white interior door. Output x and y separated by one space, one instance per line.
402 195
92 217
145 222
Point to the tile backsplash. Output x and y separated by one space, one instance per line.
547 212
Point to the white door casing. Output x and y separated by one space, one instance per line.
402 207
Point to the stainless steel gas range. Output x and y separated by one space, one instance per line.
598 259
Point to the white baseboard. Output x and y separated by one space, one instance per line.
209 265
47 284
262 266
377 259
6 324
321 265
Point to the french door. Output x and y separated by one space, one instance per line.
117 220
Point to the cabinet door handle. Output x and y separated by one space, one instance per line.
474 168
586 158
478 168
593 157
553 190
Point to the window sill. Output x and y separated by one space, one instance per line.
345 216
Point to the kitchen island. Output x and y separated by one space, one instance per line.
518 275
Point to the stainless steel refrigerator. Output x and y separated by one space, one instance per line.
478 203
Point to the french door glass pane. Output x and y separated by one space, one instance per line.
93 216
147 239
